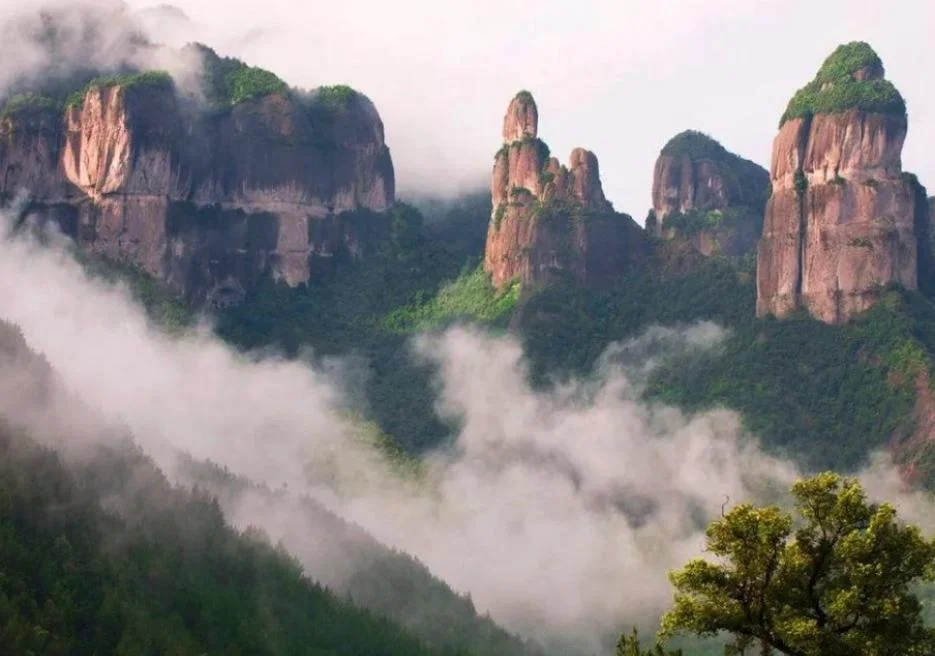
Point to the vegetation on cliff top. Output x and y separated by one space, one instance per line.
154 79
746 185
338 96
28 102
34 101
228 81
837 89
525 96
697 145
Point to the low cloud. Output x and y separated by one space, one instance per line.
43 47
558 510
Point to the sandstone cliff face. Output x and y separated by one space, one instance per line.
30 142
842 219
707 196
208 202
549 219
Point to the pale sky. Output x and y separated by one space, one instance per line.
618 77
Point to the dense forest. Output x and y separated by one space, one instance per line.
100 554
823 395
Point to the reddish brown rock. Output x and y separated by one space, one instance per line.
550 219
840 223
842 220
206 202
707 196
522 119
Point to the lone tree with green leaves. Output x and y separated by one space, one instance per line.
833 581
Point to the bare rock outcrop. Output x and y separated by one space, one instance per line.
207 201
842 220
550 219
707 196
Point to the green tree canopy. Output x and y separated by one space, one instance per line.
834 580
629 645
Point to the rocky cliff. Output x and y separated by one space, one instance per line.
207 198
842 220
551 219
707 196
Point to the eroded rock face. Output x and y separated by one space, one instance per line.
30 143
522 119
842 220
708 196
549 219
207 202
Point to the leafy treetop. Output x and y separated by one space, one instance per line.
229 81
850 78
836 579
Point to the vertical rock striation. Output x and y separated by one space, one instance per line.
209 201
842 220
708 196
549 219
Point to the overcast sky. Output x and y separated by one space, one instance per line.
616 76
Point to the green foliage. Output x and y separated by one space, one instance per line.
251 82
28 102
162 305
697 145
405 227
498 215
164 576
695 221
542 149
386 582
861 242
834 580
847 59
152 79
565 329
630 646
468 297
835 89
525 96
800 182
227 81
370 307
339 96
822 395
